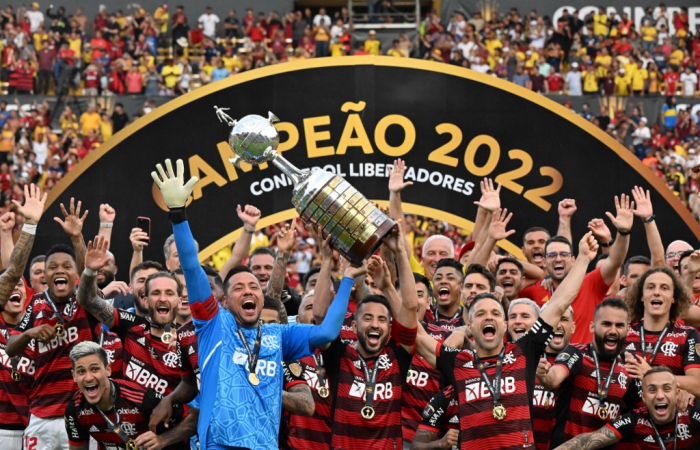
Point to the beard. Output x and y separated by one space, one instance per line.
362 341
139 306
604 352
108 278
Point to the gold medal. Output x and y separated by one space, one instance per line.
367 413
60 330
166 337
131 445
603 413
546 401
323 391
16 375
253 378
499 412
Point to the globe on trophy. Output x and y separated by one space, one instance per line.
321 198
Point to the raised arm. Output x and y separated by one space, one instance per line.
565 294
95 257
299 400
567 208
425 346
645 211
286 238
396 185
601 438
73 226
139 240
7 241
407 316
489 202
107 216
175 193
496 232
379 271
249 216
322 290
618 251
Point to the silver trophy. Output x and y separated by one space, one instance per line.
321 198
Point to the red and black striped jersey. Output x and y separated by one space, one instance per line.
478 427
115 352
292 375
344 367
188 350
543 412
441 413
315 431
53 384
347 335
449 323
14 404
134 405
147 361
422 383
635 426
677 351
578 402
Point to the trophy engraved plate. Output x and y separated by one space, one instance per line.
320 198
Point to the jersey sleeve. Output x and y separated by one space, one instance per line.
292 374
27 321
434 414
691 355
571 360
77 435
295 341
445 361
332 356
623 427
404 358
185 366
535 340
124 321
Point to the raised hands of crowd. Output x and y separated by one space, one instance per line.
72 222
324 244
107 213
286 238
567 208
379 271
600 230
624 215
642 199
249 215
96 255
499 223
396 178
490 197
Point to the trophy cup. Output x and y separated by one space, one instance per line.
321 198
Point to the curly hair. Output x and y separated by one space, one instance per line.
681 297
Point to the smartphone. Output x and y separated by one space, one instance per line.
145 224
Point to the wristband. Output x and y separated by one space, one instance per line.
612 241
106 225
650 219
624 233
29 228
89 272
249 231
177 215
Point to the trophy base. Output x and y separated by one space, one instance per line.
372 244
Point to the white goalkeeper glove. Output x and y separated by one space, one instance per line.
172 185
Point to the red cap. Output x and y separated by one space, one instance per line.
466 247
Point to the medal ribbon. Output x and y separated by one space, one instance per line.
370 381
320 370
602 390
61 320
659 440
658 342
436 314
495 387
114 426
252 356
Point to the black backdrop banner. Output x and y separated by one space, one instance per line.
354 116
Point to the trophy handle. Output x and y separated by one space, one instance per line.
271 117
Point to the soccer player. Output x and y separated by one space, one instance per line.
367 378
241 374
447 283
478 280
656 301
595 386
148 358
510 276
656 425
440 417
115 412
496 380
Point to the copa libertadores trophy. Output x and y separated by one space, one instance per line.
321 198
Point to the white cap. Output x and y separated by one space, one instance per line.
642 119
574 64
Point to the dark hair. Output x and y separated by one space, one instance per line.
517 263
275 305
234 271
681 298
532 230
309 274
478 268
561 239
634 260
612 302
419 278
261 251
37 259
373 299
658 369
163 274
450 262
145 265
482 296
682 256
60 248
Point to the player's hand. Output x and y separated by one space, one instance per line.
543 369
588 246
7 222
449 439
636 365
499 223
115 288
378 270
324 244
107 213
600 230
33 204
684 399
139 239
248 215
43 333
490 197
286 238
396 182
625 217
354 272
567 208
149 441
96 255
644 209
172 184
73 223
394 240
161 413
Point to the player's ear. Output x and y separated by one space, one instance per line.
354 326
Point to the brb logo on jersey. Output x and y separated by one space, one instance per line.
382 391
479 390
264 368
416 378
70 336
140 375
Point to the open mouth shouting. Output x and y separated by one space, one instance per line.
61 284
163 311
661 408
537 257
656 305
374 338
507 285
611 342
489 331
92 391
559 270
443 294
557 339
518 332
248 306
16 299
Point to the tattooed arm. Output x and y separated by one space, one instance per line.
426 440
286 238
601 438
182 431
298 400
95 257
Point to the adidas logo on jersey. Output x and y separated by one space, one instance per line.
190 351
594 374
649 439
141 340
454 419
630 347
94 429
469 365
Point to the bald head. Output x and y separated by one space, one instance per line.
673 253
